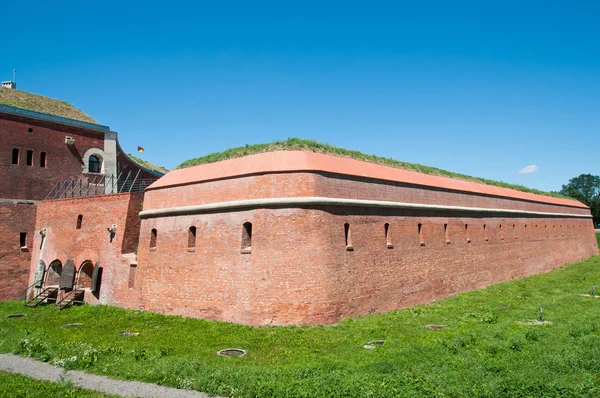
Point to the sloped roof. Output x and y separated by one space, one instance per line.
148 165
38 103
303 161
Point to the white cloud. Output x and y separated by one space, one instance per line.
529 169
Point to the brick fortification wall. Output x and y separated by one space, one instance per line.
16 217
92 242
328 244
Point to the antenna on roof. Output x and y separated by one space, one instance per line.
13 83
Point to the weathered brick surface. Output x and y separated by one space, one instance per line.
63 161
299 269
20 181
15 218
93 242
301 184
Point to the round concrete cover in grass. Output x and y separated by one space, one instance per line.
232 352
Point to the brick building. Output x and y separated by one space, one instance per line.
295 237
49 147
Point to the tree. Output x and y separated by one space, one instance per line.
586 189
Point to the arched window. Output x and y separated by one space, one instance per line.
348 237
421 234
79 221
43 159
388 239
246 238
192 238
153 235
94 165
30 157
15 156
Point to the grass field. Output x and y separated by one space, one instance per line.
485 349
13 385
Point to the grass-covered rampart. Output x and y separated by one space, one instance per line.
292 144
485 348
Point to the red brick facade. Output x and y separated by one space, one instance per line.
16 217
318 263
63 162
306 246
92 242
34 157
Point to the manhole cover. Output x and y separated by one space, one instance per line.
16 315
72 325
129 334
232 352
435 326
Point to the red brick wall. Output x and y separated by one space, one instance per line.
15 218
63 161
92 242
299 270
282 185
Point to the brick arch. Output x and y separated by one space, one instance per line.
53 272
84 274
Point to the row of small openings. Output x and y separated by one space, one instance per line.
29 157
246 247
421 235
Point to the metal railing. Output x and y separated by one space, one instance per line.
99 185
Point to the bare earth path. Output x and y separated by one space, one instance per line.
44 371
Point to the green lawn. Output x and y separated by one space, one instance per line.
13 385
481 352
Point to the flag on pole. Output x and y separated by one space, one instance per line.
140 149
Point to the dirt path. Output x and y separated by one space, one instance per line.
44 371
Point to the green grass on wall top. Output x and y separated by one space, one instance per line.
485 348
292 144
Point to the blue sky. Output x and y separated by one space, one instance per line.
481 88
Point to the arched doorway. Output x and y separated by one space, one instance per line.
85 275
54 273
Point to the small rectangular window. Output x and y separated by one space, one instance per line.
23 239
43 159
15 156
79 221
467 233
485 233
447 234
246 238
421 235
30 158
153 235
